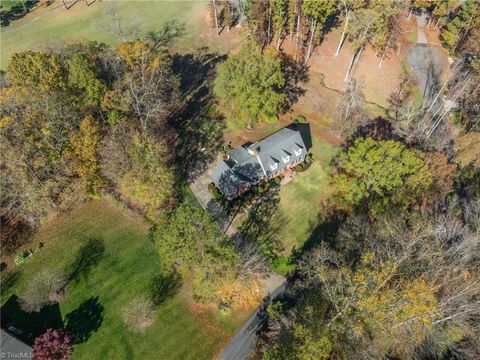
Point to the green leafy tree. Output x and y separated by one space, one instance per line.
83 78
189 240
84 147
42 71
378 175
466 18
249 84
280 18
317 11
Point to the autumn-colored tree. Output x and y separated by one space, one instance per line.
149 87
84 146
249 84
55 344
377 175
136 163
467 150
42 71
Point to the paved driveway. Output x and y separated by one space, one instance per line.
241 344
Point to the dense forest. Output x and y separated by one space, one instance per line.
397 274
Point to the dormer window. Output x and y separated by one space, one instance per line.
298 152
273 166
286 159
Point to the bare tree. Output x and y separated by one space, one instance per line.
138 314
351 107
46 287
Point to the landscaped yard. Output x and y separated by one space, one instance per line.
301 199
120 265
49 24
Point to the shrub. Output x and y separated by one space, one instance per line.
45 288
299 167
53 345
299 119
309 157
138 314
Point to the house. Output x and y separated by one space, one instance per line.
250 163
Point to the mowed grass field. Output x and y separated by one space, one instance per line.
53 23
125 262
301 199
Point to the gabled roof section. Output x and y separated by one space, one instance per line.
249 163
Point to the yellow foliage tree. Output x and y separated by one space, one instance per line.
84 146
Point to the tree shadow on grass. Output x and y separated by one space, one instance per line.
264 225
163 287
199 129
16 12
10 279
27 326
85 320
87 257
325 231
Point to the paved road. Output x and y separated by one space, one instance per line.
421 22
241 344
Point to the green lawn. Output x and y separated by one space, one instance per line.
54 23
122 265
300 200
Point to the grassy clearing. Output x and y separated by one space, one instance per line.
81 22
125 264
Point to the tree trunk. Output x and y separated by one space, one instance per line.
385 51
215 15
269 24
24 8
298 24
65 4
342 38
355 56
310 42
409 13
436 23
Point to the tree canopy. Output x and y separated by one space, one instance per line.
377 175
249 85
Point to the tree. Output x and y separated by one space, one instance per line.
377 175
347 7
318 11
464 19
84 148
44 288
83 78
138 314
249 84
149 87
136 163
352 108
42 71
280 18
191 243
53 345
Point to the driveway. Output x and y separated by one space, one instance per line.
241 344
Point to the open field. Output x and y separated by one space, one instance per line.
50 24
122 262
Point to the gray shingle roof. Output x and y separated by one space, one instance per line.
274 153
